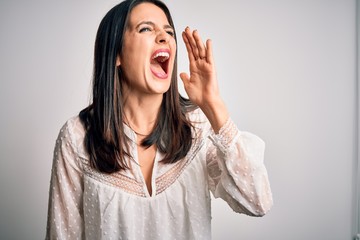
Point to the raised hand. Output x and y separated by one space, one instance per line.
201 86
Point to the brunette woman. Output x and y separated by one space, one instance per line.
140 161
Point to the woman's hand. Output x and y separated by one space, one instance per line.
201 86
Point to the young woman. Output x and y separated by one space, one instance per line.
140 161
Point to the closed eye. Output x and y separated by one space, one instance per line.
171 33
145 29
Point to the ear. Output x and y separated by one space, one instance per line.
118 62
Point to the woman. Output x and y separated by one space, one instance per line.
140 161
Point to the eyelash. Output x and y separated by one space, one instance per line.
171 33
147 29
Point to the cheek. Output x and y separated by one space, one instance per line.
134 56
173 44
173 49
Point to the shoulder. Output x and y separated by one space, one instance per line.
72 133
73 128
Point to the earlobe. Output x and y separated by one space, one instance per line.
118 63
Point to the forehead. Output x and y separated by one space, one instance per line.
147 12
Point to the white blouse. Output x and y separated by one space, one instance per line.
87 204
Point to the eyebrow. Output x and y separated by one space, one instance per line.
166 26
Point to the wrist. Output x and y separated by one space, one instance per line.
216 112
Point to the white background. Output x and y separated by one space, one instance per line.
286 69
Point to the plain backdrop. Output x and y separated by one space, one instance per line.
286 69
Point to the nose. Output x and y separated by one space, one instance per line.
162 37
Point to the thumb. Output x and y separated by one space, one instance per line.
185 78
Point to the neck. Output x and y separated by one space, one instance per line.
141 112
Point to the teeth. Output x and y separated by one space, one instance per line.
164 56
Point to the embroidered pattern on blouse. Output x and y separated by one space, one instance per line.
226 134
117 180
168 178
131 186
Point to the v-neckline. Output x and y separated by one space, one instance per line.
151 189
138 171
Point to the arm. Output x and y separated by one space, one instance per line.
201 86
236 172
235 161
65 216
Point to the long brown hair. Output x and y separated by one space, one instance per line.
105 140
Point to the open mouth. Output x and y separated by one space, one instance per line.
159 63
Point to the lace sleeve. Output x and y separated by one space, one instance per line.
236 171
65 205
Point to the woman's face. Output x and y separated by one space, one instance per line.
148 53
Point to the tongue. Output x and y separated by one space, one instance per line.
157 69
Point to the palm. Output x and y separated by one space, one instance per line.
201 85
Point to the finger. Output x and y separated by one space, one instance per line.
185 78
200 45
192 42
188 47
209 52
